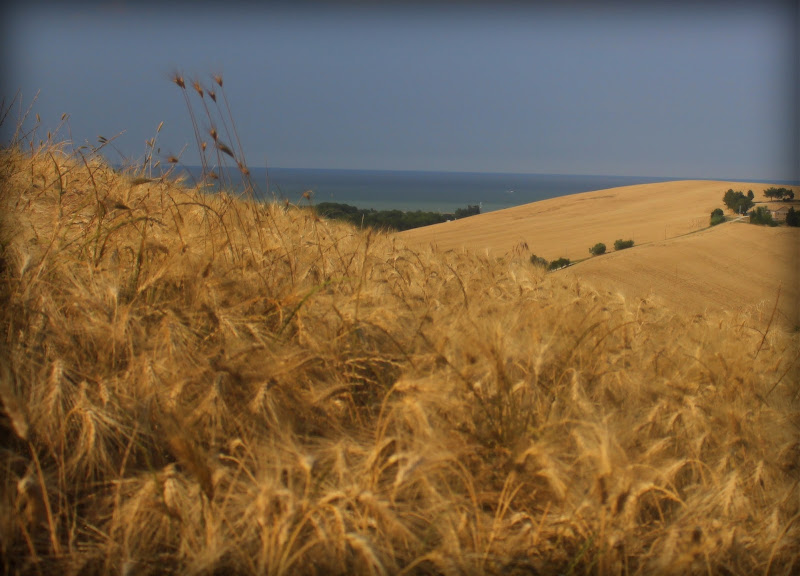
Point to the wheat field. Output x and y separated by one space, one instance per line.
198 383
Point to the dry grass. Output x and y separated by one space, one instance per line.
196 383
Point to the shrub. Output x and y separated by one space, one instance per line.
717 217
560 263
762 216
539 261
622 244
598 249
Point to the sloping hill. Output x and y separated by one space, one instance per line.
569 225
735 266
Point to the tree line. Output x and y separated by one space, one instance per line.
396 220
779 194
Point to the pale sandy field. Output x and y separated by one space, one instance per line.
735 266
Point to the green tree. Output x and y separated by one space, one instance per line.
598 249
792 217
717 216
779 193
737 201
728 198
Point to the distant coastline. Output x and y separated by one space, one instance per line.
424 190
443 192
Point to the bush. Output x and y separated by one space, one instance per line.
539 261
762 216
560 263
717 217
598 249
622 244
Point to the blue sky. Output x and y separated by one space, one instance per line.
637 89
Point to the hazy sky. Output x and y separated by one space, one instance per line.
636 89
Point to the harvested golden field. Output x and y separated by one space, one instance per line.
568 226
195 383
731 267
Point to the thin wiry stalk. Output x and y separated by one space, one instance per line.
241 163
201 148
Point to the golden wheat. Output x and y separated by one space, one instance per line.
200 383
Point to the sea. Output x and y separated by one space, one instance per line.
428 191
